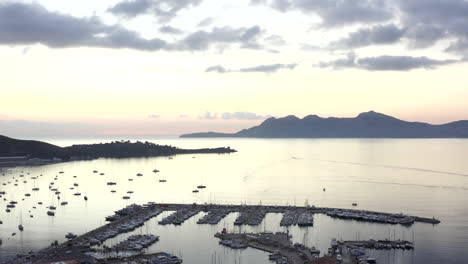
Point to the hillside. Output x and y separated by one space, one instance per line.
365 125
32 148
117 149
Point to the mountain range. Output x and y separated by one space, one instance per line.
366 125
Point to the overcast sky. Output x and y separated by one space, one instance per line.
176 66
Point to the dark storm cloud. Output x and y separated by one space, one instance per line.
27 24
376 35
164 10
335 12
385 63
270 68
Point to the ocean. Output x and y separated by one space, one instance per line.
423 177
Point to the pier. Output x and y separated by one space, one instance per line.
129 218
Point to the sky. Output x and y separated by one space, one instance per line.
169 67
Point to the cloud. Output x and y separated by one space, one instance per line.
385 63
164 10
243 116
216 68
29 24
25 50
335 12
430 21
202 40
376 35
269 68
154 116
275 40
208 115
205 22
170 30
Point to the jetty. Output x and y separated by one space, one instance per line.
129 218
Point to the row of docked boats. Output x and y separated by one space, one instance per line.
367 216
305 219
178 217
122 227
251 217
234 244
289 218
136 243
214 217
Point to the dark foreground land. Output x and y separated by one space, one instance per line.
88 247
19 152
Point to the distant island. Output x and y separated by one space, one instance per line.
15 151
366 125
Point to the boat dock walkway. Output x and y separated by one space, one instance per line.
133 216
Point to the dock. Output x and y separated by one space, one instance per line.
129 218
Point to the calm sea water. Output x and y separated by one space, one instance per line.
424 177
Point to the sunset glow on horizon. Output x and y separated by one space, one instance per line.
87 68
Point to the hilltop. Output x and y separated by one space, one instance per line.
366 125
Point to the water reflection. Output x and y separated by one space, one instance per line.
263 171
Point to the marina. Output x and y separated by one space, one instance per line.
279 244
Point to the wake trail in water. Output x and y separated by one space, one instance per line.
396 167
415 184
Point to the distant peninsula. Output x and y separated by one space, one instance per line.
366 125
15 151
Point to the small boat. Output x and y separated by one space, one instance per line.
113 191
195 191
86 198
162 180
126 197
95 171
77 194
201 186
52 207
20 227
111 183
130 192
130 179
354 204
8 210
155 171
139 174
35 189
50 213
102 173
63 203
27 194
75 184
61 172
